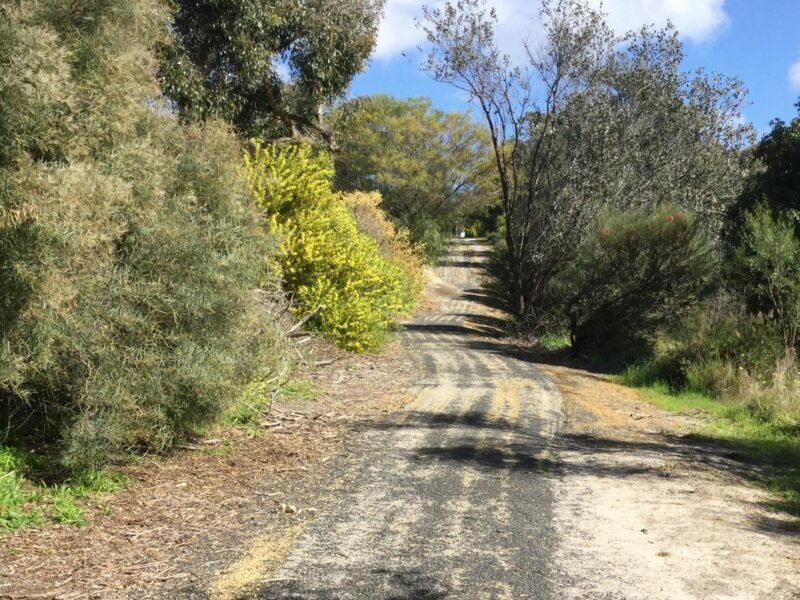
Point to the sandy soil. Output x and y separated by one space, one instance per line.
645 510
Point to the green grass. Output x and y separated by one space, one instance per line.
30 498
758 438
257 396
553 342
64 508
299 390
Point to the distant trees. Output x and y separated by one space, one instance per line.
589 121
267 66
430 166
777 181
765 231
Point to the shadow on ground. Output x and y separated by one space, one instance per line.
759 461
403 585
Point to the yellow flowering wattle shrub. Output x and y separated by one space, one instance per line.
395 244
325 259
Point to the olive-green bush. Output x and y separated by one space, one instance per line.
637 271
130 250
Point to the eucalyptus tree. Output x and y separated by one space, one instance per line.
588 120
462 51
431 166
267 66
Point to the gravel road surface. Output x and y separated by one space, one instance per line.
453 497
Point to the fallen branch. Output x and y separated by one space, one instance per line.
325 363
298 334
304 320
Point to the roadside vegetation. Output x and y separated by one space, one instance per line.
146 264
640 224
432 168
178 177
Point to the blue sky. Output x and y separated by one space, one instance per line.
757 41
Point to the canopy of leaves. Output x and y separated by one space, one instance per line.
777 182
767 263
590 120
430 166
267 66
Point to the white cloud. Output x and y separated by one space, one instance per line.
398 31
794 76
697 20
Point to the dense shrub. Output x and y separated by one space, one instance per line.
637 271
717 342
129 248
393 243
767 265
326 261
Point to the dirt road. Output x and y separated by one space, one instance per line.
492 477
490 485
453 498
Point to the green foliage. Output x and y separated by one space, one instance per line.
716 343
767 262
326 261
431 237
725 352
618 124
65 509
636 272
258 397
484 222
554 342
777 182
226 59
129 247
17 500
431 167
28 498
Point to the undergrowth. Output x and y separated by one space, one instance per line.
34 491
258 399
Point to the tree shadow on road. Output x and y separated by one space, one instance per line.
403 584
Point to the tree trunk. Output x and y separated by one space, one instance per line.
518 304
573 333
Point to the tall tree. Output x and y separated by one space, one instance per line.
429 165
777 180
588 120
268 66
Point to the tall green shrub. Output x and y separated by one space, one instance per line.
767 262
129 248
637 271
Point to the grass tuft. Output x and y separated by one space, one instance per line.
29 497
